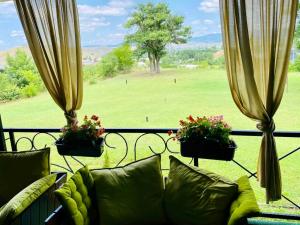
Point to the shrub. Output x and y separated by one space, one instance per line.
124 56
295 67
29 91
109 65
8 90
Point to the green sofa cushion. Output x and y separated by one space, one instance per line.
131 194
245 204
20 169
75 196
25 198
197 197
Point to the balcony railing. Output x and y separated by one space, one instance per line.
127 144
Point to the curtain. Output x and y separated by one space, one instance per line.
257 39
52 31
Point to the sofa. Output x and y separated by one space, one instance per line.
27 187
137 193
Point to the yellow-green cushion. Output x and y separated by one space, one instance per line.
20 169
75 197
245 204
131 194
25 198
197 197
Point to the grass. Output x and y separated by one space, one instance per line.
126 101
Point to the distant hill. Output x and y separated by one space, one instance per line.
209 38
93 53
90 54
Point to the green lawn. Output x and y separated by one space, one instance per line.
164 102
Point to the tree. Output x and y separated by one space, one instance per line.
155 27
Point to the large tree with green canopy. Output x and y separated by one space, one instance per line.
154 28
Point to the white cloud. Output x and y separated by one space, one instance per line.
203 22
117 36
7 9
113 8
17 34
208 22
88 24
209 6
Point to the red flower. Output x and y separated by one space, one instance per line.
85 117
170 132
94 117
191 119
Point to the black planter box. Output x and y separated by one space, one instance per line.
207 150
87 148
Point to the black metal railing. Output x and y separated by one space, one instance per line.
17 138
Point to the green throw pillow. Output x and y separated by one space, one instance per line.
132 194
195 196
20 169
245 204
76 197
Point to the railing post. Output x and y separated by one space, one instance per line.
12 141
2 137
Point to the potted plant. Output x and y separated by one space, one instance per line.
82 140
205 137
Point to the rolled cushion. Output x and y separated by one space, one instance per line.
195 196
245 204
25 198
20 169
76 197
131 194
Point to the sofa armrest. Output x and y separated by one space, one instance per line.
25 198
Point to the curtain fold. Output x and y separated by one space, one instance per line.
257 39
52 31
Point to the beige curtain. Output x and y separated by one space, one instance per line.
257 39
52 31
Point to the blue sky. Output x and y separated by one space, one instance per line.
101 21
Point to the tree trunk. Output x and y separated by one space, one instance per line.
157 67
151 62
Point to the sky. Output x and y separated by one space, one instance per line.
101 21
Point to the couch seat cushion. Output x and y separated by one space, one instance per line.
20 169
132 193
197 197
76 197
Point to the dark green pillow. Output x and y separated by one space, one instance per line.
197 197
20 169
76 197
131 194
245 204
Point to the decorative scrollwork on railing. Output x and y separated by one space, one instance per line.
160 144
150 148
113 147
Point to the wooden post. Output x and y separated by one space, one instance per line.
2 138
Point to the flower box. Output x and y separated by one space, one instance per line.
207 149
77 147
